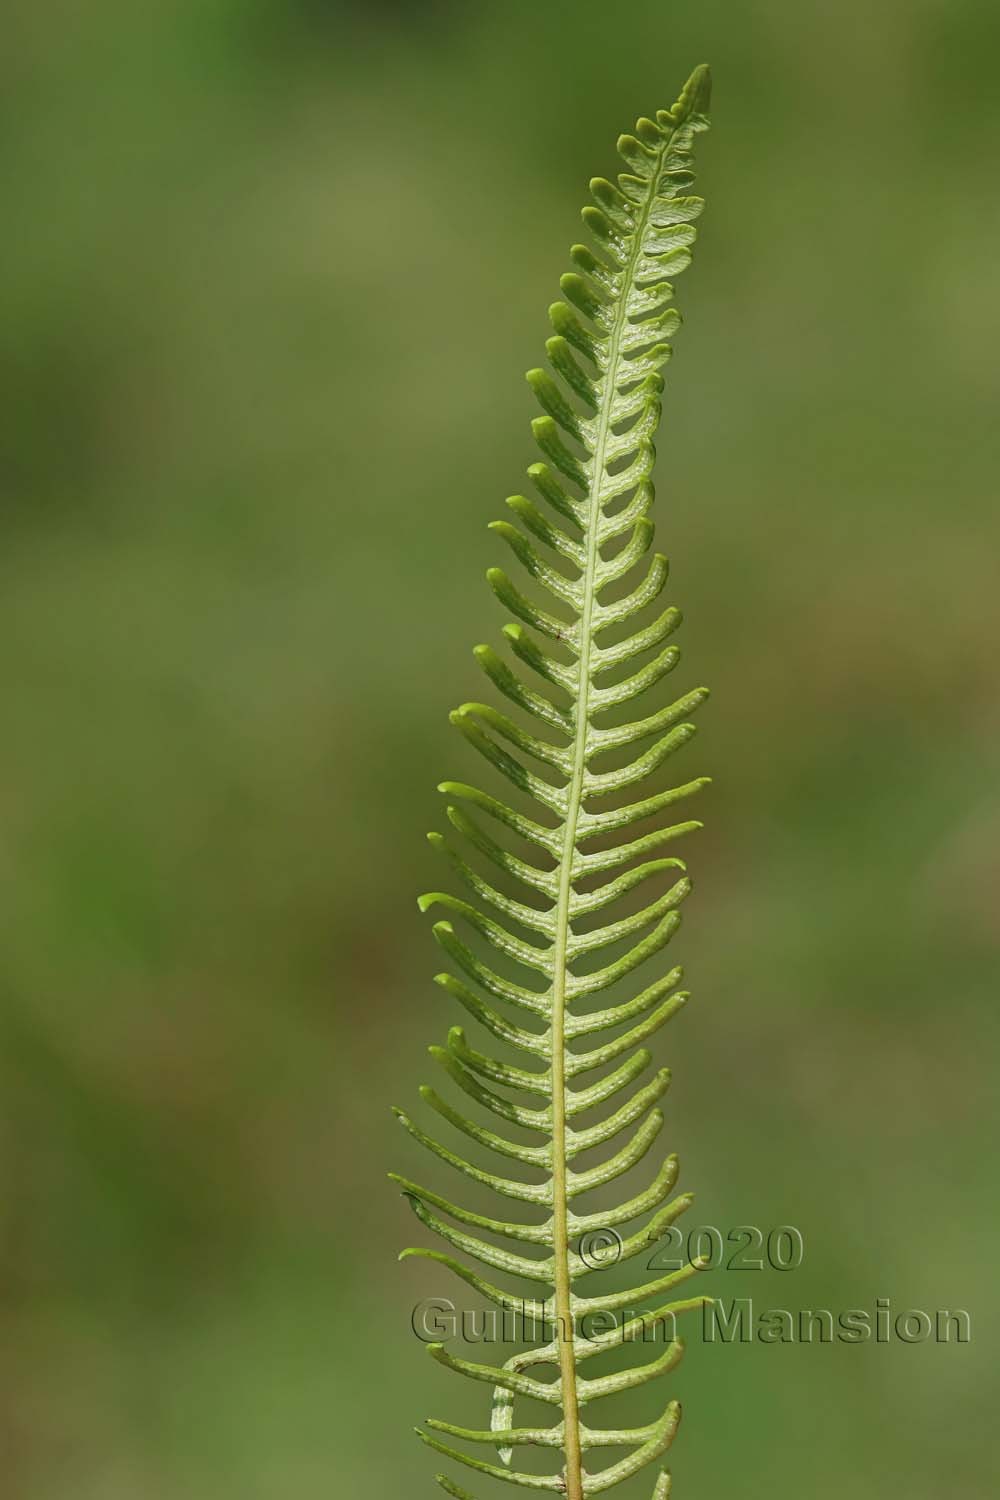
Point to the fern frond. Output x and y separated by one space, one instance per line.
538 943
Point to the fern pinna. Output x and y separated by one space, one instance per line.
597 437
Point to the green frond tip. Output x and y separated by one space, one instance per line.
551 873
696 95
452 1489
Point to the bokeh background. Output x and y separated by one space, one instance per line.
273 269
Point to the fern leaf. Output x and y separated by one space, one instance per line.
585 649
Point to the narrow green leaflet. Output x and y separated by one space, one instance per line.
543 929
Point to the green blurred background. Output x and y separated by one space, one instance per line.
273 271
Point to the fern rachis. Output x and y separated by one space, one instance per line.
616 319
